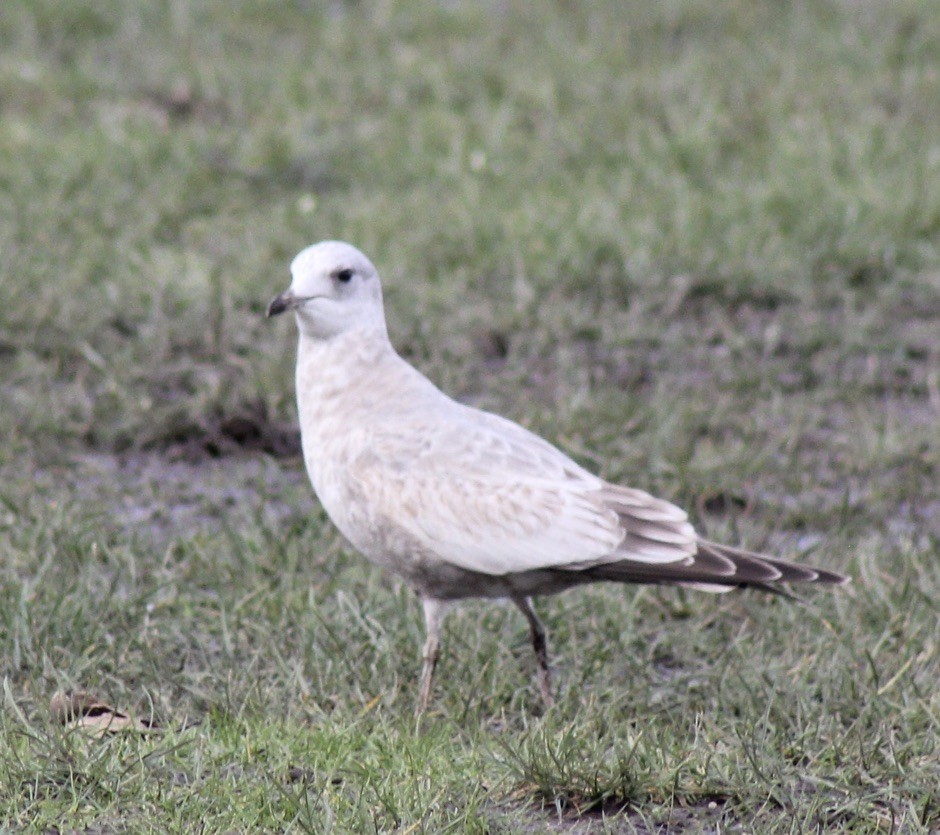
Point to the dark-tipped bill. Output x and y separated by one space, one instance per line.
284 301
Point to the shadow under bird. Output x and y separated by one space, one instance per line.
460 502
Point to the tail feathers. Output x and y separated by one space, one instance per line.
717 568
714 588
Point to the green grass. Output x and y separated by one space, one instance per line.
695 243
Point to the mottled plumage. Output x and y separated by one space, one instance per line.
460 502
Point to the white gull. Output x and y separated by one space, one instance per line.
460 502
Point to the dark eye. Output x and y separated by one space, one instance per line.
344 276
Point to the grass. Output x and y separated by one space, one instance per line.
694 243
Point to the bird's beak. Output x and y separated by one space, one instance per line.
284 301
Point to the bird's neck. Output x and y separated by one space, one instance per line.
332 370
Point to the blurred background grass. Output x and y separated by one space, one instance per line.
694 243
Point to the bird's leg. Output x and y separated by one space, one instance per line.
434 611
540 645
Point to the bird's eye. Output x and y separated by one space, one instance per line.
344 276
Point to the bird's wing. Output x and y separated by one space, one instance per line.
487 495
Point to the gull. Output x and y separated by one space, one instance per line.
459 502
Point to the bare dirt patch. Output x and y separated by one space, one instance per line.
157 496
245 429
706 816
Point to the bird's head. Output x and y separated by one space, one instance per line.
334 288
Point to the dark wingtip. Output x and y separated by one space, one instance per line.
833 577
788 572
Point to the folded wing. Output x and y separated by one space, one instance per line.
488 496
